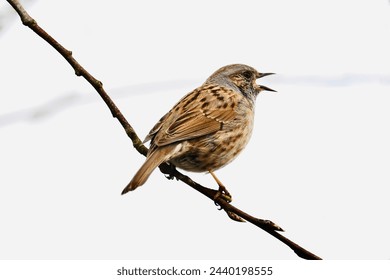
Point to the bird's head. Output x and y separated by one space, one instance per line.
241 77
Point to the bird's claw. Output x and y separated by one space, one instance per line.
223 195
226 197
169 176
168 169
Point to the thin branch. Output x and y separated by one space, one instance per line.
165 168
80 71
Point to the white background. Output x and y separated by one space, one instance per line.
317 164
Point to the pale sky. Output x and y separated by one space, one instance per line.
317 164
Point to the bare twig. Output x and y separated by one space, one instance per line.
80 71
233 212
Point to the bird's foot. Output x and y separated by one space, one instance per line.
224 194
222 190
168 169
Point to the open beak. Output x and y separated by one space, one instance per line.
261 75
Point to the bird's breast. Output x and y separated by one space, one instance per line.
213 151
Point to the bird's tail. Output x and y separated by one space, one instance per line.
152 161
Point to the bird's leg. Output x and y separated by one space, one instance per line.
225 195
222 191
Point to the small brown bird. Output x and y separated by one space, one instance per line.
208 127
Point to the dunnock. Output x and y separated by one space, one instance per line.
208 127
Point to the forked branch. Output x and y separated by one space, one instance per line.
232 211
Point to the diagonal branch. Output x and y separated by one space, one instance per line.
232 211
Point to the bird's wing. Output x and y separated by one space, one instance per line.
199 113
155 128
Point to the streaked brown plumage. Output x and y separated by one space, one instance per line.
208 127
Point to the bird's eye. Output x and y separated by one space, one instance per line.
247 74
